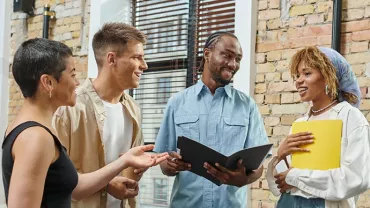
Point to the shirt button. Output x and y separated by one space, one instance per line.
103 193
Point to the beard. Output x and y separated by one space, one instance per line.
216 74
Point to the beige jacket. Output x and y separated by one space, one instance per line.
80 129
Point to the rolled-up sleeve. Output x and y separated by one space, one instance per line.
166 138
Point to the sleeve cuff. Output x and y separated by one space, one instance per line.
292 177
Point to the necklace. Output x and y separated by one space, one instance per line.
324 108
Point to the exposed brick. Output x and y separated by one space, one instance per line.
367 11
73 42
288 54
359 69
272 121
260 58
363 81
358 58
296 2
77 19
324 6
268 130
297 21
365 104
272 99
361 35
316 30
256 203
274 56
264 109
282 65
260 88
67 36
268 14
367 69
274 4
285 76
286 98
344 50
76 34
262 25
296 97
265 47
274 24
268 205
324 40
262 5
360 46
301 10
281 87
273 76
354 14
76 4
259 194
75 27
315 18
256 184
311 1
271 36
260 78
288 119
264 68
303 42
281 130
259 98
355 4
67 20
299 108
354 26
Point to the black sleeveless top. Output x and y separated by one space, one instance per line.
61 177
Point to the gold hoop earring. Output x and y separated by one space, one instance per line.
50 94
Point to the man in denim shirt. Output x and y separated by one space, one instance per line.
218 116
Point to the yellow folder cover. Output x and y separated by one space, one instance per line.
325 151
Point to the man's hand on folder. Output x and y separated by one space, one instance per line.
175 164
235 178
292 144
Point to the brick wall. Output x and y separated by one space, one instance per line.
70 27
284 26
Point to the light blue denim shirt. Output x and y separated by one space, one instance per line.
227 122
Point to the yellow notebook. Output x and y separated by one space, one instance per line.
325 151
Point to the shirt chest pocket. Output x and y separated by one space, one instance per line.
235 131
187 126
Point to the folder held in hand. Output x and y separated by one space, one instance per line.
197 154
325 151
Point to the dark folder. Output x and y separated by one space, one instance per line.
197 154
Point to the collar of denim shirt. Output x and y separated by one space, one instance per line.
201 86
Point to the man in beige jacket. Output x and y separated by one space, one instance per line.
106 121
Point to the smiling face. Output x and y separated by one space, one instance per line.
224 59
65 90
313 73
310 83
130 65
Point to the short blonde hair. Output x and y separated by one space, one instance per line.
314 58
